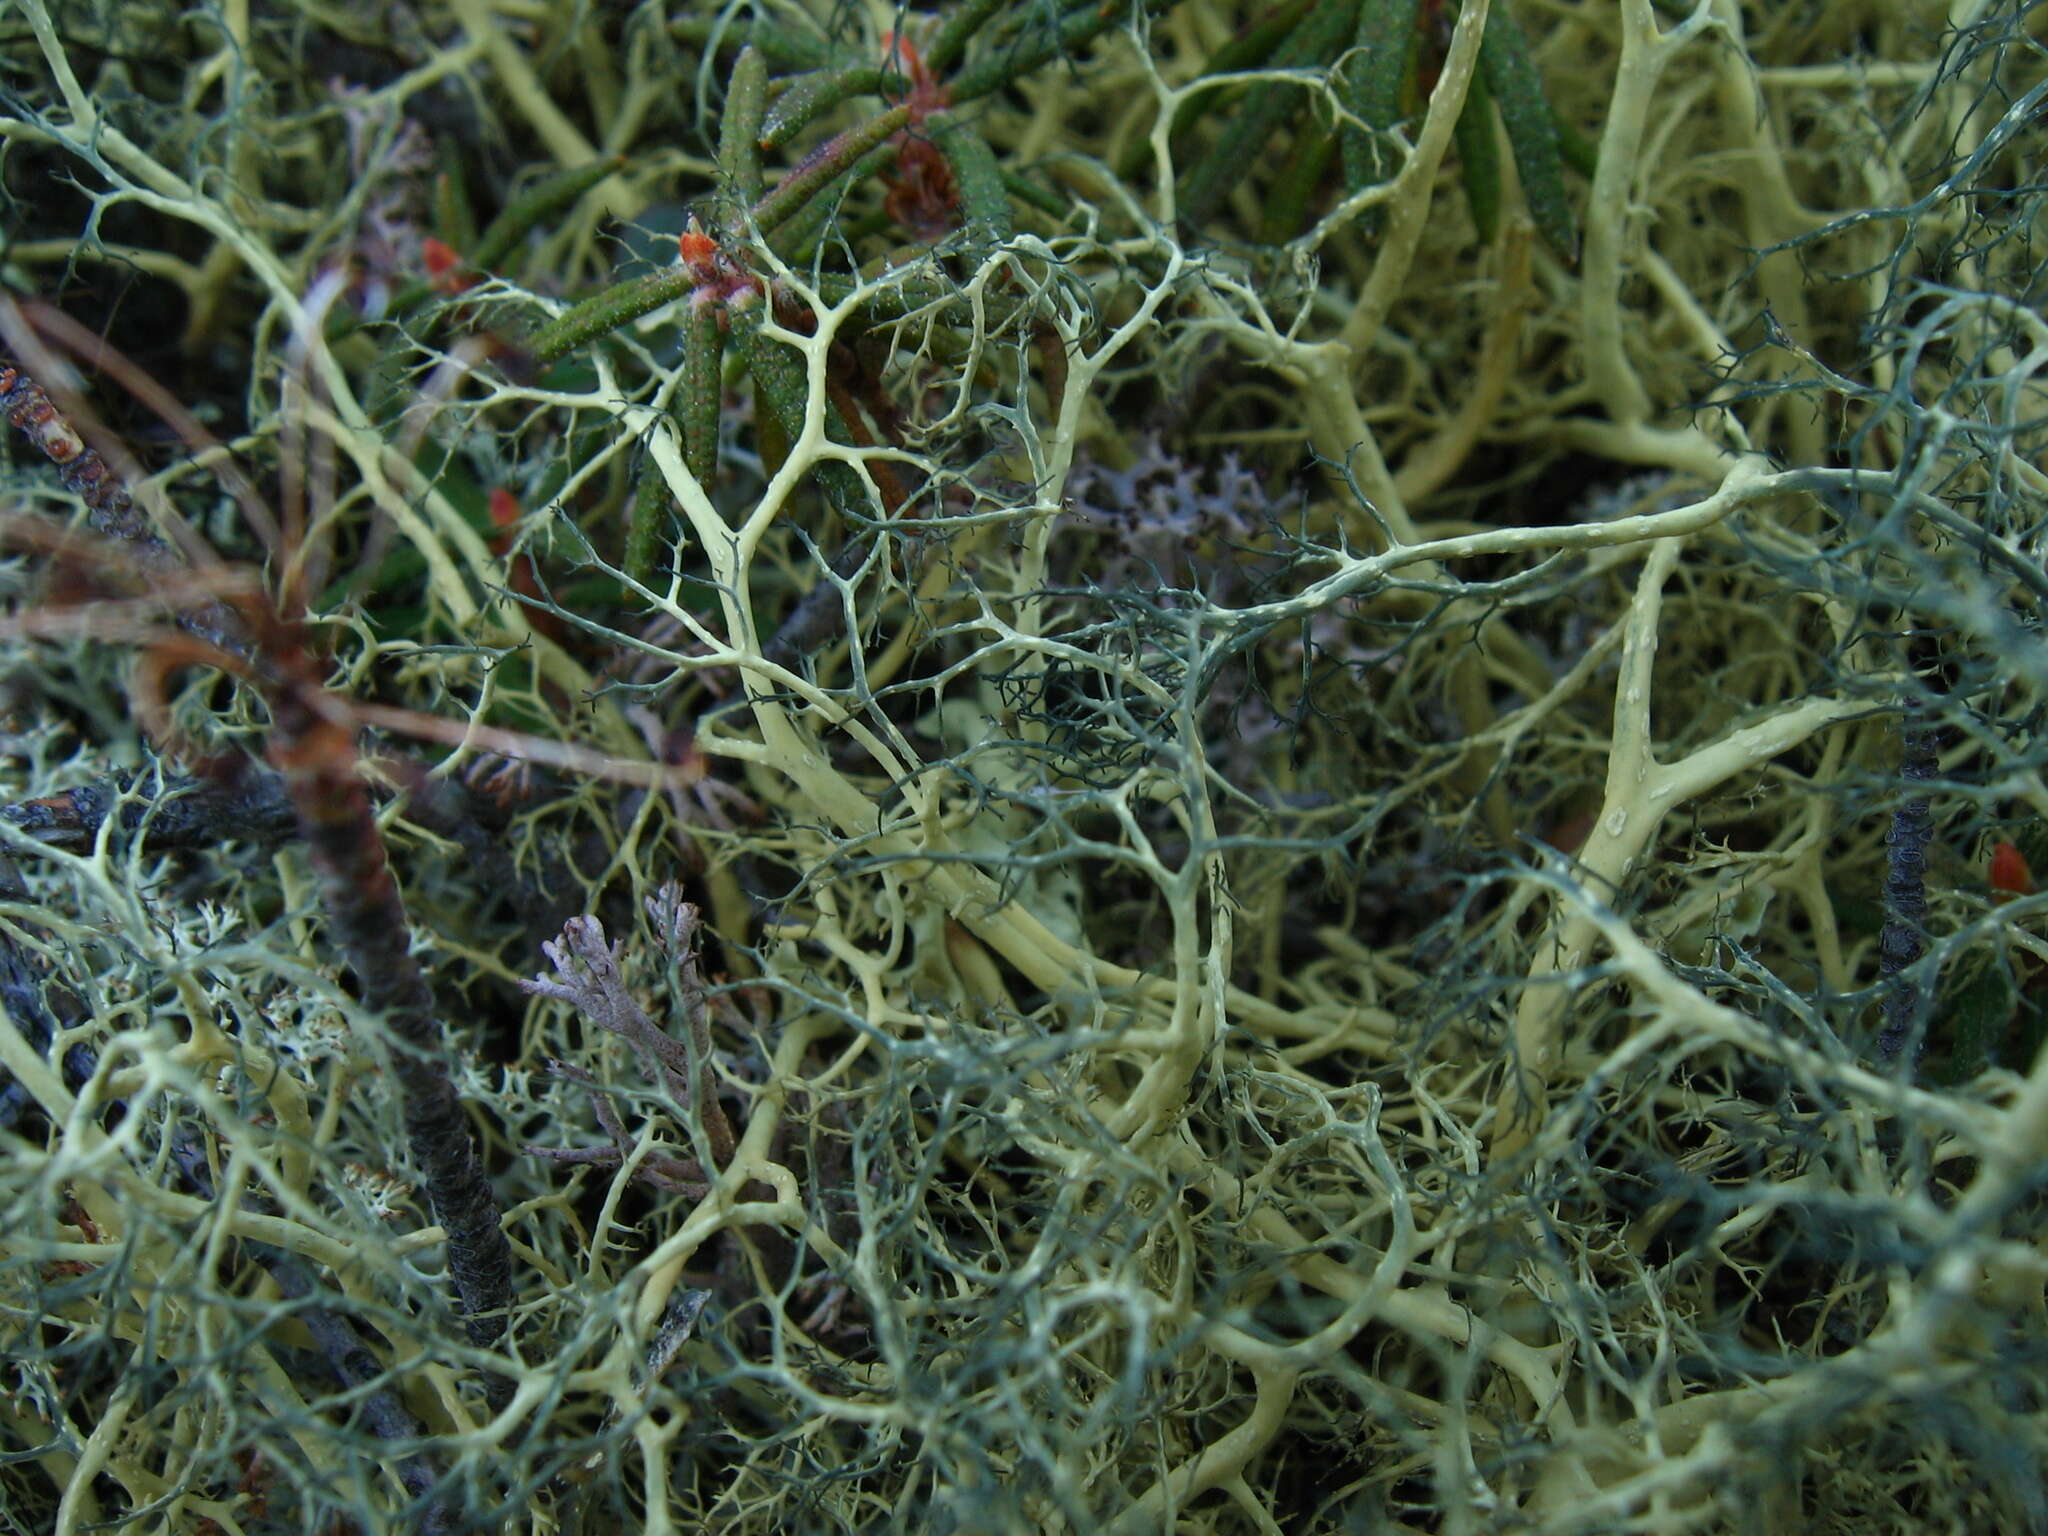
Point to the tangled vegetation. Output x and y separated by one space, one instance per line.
1126 765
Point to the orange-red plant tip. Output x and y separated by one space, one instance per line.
2010 874
444 266
504 508
895 46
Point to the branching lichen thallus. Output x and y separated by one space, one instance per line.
119 585
944 177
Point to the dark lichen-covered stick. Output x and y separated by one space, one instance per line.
37 1008
312 745
80 470
109 509
247 805
1905 891
701 399
606 312
366 917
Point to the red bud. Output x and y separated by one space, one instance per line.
2009 871
696 248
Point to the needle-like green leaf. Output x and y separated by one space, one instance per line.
739 136
545 200
1383 48
1479 159
1511 75
984 200
1319 39
702 385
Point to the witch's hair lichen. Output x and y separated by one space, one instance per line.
1130 767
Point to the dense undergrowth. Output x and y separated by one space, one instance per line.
1176 767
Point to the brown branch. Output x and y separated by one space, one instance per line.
110 509
242 803
311 745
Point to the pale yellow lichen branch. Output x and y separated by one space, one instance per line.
1640 792
1413 191
1610 218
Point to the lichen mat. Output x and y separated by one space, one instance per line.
1135 767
